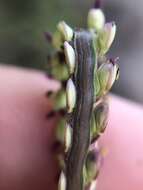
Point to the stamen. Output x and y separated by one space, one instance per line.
64 84
51 114
97 4
61 57
114 60
62 112
48 36
57 147
49 93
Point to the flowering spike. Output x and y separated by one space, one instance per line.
60 133
62 182
101 115
57 40
92 165
85 75
93 185
48 36
60 72
60 100
96 84
70 56
111 30
106 37
93 130
65 30
71 95
68 137
107 74
96 19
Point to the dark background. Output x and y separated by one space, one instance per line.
22 43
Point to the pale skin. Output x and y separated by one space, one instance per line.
27 159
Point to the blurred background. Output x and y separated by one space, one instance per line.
22 43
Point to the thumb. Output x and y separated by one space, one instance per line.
123 141
27 161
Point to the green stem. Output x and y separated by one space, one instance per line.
84 82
